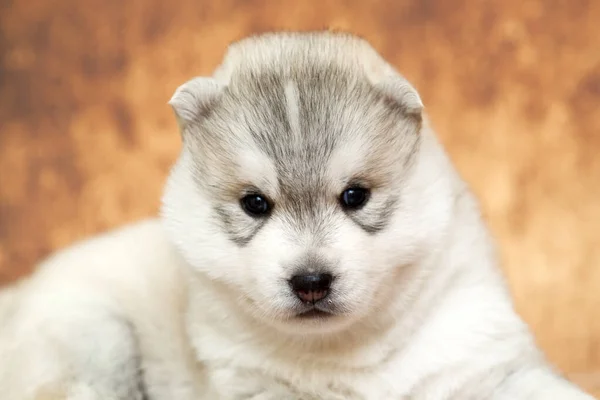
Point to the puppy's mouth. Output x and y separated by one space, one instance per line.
314 313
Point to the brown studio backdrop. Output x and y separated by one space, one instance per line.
512 86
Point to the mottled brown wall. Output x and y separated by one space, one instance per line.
512 86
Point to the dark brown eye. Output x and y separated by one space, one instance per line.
255 205
354 198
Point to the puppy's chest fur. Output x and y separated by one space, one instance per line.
238 368
240 383
242 378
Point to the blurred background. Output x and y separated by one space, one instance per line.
512 87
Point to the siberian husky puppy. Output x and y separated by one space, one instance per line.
315 242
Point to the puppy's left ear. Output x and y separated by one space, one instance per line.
194 99
397 89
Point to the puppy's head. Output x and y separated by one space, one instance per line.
303 184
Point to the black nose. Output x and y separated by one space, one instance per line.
312 287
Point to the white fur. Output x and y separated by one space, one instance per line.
174 306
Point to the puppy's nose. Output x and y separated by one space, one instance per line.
312 287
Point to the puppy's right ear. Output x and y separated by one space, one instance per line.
193 99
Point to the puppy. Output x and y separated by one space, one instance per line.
315 242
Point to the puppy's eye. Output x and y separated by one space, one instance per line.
354 198
255 205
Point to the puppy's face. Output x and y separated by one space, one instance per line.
301 193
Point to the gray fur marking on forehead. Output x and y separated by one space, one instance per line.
285 50
298 116
329 106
